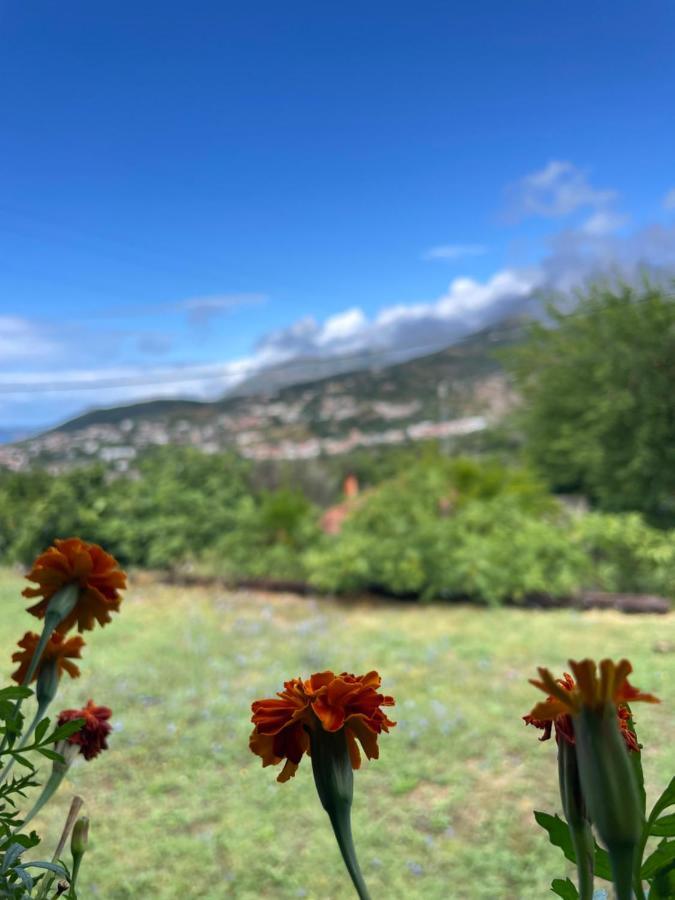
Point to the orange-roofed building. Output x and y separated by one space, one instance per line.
334 517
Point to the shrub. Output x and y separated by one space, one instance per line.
267 538
488 550
489 534
625 553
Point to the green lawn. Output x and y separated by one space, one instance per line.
181 809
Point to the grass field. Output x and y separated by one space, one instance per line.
181 809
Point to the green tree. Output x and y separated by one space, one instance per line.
598 390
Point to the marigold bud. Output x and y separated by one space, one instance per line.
591 712
78 845
577 817
80 839
61 604
47 684
610 789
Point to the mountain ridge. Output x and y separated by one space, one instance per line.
459 388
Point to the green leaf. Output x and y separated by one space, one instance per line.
66 730
663 885
22 761
666 799
11 855
51 754
26 879
559 835
565 889
661 858
26 841
50 866
663 827
15 692
41 730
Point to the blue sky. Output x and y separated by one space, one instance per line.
189 191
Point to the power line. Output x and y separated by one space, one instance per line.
194 375
312 368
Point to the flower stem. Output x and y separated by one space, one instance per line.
342 828
60 605
49 627
334 780
639 890
639 853
73 813
622 860
77 862
576 814
582 841
51 787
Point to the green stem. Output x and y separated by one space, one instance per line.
51 787
77 862
47 630
61 604
51 621
73 813
637 867
576 814
622 859
342 827
334 780
640 852
582 841
639 890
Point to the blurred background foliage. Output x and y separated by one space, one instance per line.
597 385
575 491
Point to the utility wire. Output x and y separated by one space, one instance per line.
193 374
312 368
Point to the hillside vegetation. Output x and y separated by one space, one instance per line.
597 419
435 528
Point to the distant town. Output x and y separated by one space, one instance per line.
458 391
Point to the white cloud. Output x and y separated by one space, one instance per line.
22 339
557 190
464 297
200 310
454 251
343 328
39 399
464 306
603 222
126 377
590 246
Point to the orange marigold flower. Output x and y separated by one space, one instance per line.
97 572
91 738
567 696
58 649
324 700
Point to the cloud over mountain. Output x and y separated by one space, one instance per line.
590 239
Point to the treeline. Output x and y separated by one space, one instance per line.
436 528
597 383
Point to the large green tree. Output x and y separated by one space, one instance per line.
598 389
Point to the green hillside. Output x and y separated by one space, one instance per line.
454 391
